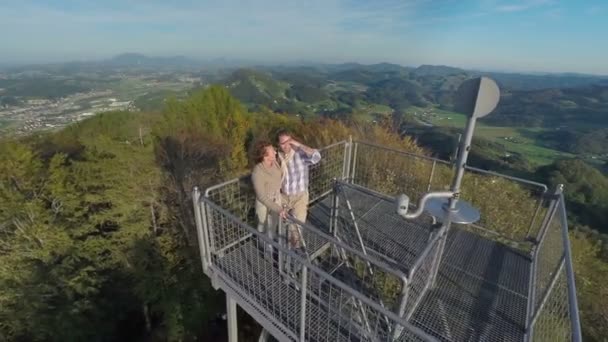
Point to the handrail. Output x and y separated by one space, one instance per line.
223 184
369 258
323 274
502 175
421 156
467 167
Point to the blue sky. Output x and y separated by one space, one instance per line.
513 35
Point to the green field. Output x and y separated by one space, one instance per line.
515 139
129 89
370 112
345 86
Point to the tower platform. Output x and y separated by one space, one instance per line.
368 274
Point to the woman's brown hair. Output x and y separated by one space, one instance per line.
259 151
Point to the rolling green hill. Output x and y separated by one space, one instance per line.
255 87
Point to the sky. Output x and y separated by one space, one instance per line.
500 35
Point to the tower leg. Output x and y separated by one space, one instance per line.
263 336
231 317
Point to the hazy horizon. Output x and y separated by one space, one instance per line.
526 36
239 62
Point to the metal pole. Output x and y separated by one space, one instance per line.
231 317
428 188
196 195
401 311
345 161
455 155
550 214
350 156
263 336
282 243
462 158
332 212
336 211
354 162
531 300
572 301
359 237
303 303
456 184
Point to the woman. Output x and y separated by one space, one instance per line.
267 177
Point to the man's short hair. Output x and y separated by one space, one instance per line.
280 133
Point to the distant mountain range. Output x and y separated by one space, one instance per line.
353 71
132 61
136 59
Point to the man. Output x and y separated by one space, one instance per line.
295 159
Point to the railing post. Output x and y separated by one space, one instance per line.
200 231
354 162
347 158
231 319
428 188
402 303
550 213
572 301
282 243
335 211
304 290
437 259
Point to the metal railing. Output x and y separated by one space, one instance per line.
552 304
318 302
512 214
374 297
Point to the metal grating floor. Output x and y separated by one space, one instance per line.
482 286
397 243
480 293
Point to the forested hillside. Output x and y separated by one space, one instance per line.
97 237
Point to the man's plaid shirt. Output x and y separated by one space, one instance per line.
296 178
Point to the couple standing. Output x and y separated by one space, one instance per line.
281 186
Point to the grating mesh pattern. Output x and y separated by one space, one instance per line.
480 292
512 215
549 254
382 231
236 196
515 209
421 276
553 323
332 166
551 314
395 172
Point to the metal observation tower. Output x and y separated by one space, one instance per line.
399 247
